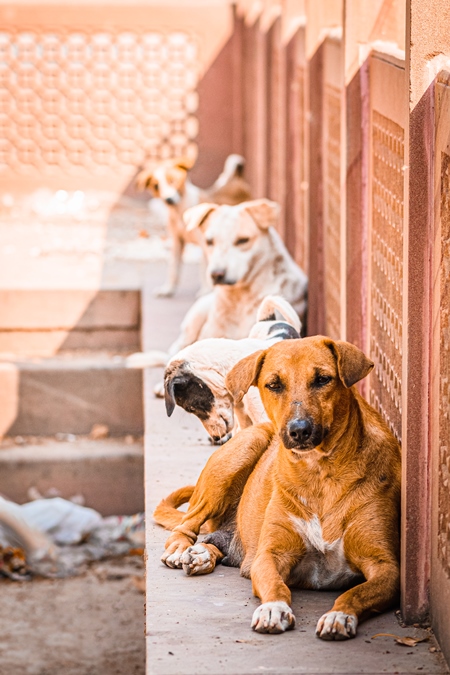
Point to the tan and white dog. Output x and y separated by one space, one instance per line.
254 263
194 378
310 499
169 181
247 261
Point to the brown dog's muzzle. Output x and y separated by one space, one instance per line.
302 433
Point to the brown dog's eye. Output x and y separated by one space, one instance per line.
321 380
155 186
276 385
241 241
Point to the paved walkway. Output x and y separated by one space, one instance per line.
201 625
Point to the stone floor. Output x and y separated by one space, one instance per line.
201 625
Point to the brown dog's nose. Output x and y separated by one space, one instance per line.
218 276
300 430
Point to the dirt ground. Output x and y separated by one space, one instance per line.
87 625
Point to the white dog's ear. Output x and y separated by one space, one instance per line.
196 215
184 162
263 211
244 374
144 177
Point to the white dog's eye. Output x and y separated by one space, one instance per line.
241 241
210 242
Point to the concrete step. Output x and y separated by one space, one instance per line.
45 321
108 473
70 393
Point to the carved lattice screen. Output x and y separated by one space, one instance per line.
85 100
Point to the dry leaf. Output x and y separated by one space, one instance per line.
99 431
139 583
406 641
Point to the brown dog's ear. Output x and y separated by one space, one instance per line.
184 162
353 364
263 211
196 215
245 373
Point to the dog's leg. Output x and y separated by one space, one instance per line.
205 281
217 492
380 591
193 323
270 572
176 256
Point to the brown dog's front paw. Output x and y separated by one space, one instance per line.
273 617
172 557
197 560
337 626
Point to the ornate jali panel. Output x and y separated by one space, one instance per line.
77 101
331 211
275 116
444 398
300 169
387 269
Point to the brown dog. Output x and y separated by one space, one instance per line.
310 499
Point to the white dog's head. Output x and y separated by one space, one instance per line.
194 378
236 237
166 179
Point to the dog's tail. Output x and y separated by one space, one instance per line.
275 303
151 359
233 168
166 513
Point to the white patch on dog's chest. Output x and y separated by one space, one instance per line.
324 565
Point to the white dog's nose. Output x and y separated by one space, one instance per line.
218 276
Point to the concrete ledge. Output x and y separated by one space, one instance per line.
108 473
49 342
46 321
28 309
70 394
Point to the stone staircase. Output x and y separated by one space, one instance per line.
64 338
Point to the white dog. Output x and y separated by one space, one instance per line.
169 181
195 377
247 261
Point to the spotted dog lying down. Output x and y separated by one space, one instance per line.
195 377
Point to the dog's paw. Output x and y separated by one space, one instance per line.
337 626
273 617
197 559
151 359
158 390
165 291
172 556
